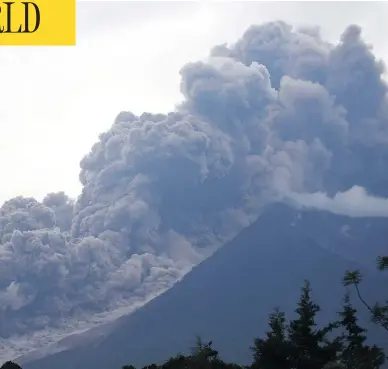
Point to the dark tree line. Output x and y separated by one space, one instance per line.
299 343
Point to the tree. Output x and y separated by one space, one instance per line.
203 355
355 353
379 312
10 365
310 349
152 366
273 351
382 262
175 362
297 345
203 351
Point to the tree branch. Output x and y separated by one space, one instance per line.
384 325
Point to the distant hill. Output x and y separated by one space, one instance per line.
227 298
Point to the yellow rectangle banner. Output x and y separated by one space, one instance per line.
38 23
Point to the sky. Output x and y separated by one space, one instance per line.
128 57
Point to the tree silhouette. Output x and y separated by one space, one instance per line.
355 353
379 312
10 365
310 348
273 352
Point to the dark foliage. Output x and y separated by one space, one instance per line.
10 365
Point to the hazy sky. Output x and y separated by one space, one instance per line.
55 101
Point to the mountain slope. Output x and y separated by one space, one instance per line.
227 298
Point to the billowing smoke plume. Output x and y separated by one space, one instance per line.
280 115
63 208
354 203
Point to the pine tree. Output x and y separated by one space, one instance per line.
310 347
272 352
356 354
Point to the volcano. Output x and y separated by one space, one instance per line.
227 298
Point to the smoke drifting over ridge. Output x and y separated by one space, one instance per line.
354 203
280 115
